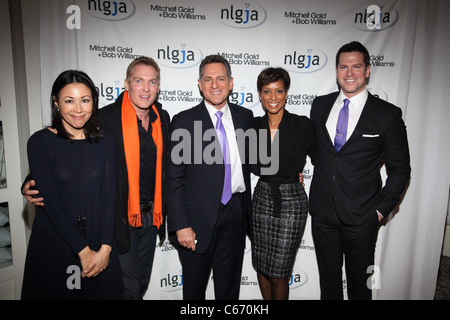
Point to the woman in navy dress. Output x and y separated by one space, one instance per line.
70 253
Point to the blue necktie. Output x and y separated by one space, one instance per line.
341 128
226 194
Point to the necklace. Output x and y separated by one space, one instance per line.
81 222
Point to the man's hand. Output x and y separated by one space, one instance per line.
380 216
186 238
31 194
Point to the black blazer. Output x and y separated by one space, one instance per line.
195 189
110 118
352 176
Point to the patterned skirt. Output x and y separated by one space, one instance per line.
276 239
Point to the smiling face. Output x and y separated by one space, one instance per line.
75 104
142 86
215 84
352 73
273 96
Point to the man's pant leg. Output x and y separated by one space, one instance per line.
196 273
230 246
334 242
137 263
224 256
329 254
359 251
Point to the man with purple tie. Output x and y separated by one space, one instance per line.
356 134
209 201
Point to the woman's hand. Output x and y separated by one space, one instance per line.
97 263
85 256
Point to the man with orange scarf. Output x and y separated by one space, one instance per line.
141 129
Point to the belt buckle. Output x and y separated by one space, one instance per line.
146 208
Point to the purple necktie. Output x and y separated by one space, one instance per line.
341 128
226 194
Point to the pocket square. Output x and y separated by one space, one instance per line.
370 135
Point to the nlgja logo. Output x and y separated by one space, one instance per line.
111 10
251 16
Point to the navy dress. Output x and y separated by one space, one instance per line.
73 177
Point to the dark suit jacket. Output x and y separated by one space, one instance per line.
195 190
352 176
110 117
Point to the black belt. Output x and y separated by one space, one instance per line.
275 193
269 179
146 208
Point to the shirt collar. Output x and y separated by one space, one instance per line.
212 111
151 115
357 101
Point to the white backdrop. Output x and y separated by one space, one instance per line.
409 51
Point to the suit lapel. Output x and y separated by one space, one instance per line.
364 118
238 123
237 120
203 116
207 124
325 114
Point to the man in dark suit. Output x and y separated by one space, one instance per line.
140 203
347 199
209 230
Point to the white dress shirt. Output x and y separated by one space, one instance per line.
354 112
237 177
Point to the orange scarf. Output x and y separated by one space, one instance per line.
132 156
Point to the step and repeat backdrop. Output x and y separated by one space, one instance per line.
101 37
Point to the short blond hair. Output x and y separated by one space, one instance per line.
146 61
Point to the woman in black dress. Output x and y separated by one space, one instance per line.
280 204
70 253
